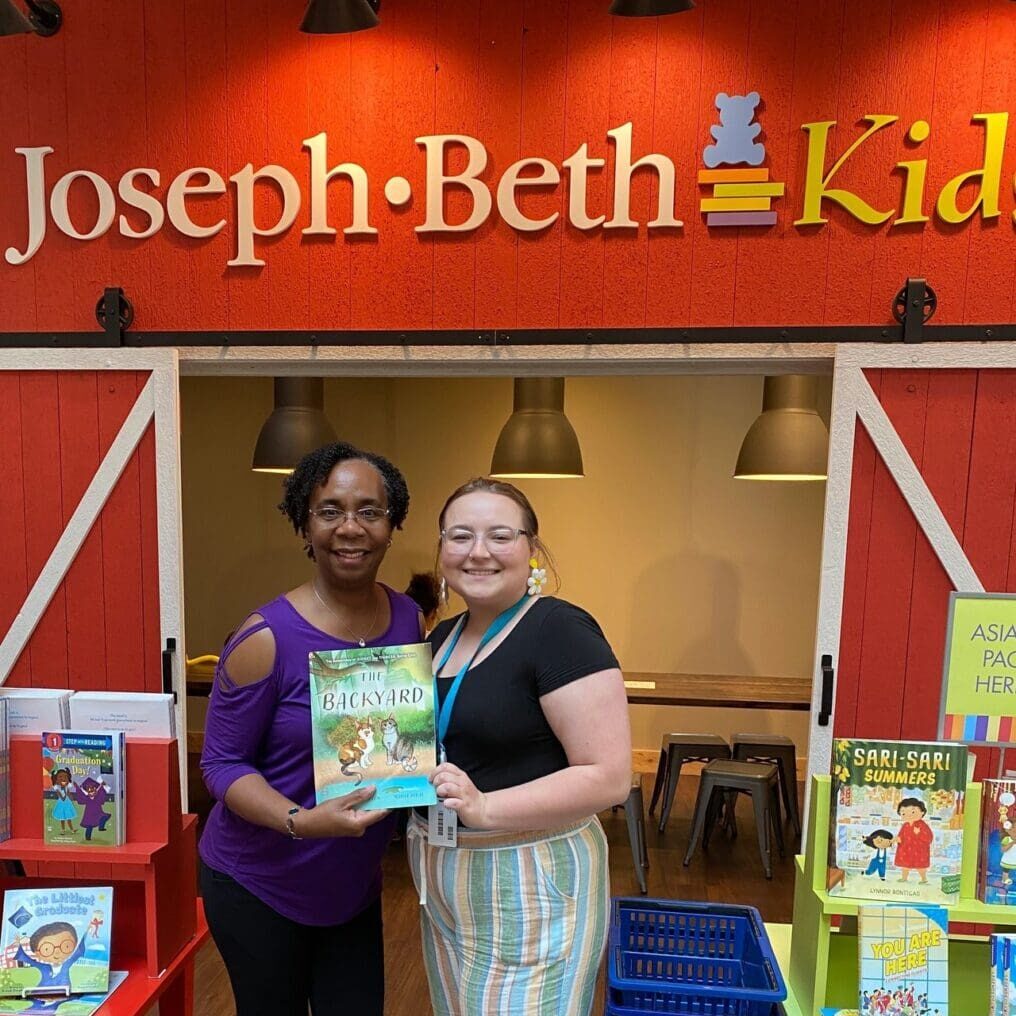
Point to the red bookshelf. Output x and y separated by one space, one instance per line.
158 922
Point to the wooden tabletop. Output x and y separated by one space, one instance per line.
719 691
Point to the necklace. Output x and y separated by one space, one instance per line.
361 640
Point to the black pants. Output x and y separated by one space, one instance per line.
277 966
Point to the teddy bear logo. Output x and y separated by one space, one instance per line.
741 196
735 134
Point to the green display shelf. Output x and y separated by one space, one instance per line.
822 966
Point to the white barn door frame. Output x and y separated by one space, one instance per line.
159 400
853 401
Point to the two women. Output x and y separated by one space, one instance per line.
536 741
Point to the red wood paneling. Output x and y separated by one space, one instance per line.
101 629
855 578
958 426
891 550
13 547
224 83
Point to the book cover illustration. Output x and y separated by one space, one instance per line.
82 788
55 941
904 960
996 882
5 771
372 711
896 829
62 1005
1002 988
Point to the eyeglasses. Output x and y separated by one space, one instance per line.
65 947
335 517
460 541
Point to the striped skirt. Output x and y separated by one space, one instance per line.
512 923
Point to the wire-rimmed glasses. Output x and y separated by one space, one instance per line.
334 517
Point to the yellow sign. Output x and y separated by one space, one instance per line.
979 677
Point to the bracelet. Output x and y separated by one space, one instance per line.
289 823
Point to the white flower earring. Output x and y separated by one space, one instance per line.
537 578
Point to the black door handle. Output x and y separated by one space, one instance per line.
828 674
167 667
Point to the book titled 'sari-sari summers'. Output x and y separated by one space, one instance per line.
896 829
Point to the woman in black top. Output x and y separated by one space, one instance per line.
537 742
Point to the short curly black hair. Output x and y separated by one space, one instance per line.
314 468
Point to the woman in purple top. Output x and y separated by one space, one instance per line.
292 890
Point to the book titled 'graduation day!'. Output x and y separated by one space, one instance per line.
896 829
372 711
83 787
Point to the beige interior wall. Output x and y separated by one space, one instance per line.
685 568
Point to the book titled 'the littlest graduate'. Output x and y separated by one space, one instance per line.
55 942
896 828
372 710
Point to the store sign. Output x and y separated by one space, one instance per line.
741 192
979 678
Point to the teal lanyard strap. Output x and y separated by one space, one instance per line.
497 626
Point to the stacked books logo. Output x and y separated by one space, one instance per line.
740 197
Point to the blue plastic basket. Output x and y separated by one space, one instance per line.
699 959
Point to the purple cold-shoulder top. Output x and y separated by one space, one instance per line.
265 728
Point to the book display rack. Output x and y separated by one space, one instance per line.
823 965
158 922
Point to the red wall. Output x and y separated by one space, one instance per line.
959 426
223 82
101 629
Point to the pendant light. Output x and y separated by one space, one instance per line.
297 425
788 441
537 440
339 17
44 18
649 8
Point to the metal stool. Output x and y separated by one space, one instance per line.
674 752
635 816
782 752
722 777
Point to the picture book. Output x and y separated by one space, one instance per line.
904 960
83 787
136 713
1002 987
5 772
372 711
896 828
1009 981
61 1005
996 864
55 941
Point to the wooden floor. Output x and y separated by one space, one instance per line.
730 873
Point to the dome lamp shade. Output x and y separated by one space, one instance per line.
296 426
340 17
649 8
537 441
789 441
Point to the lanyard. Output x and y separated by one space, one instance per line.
497 626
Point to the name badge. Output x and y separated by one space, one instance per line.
442 826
